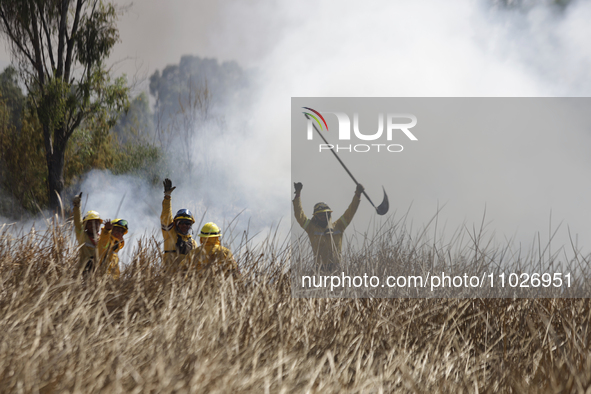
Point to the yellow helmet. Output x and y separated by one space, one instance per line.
91 215
120 223
321 207
210 230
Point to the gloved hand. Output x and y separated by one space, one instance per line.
168 187
76 200
359 190
108 225
298 187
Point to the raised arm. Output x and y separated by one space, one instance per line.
166 218
298 211
347 217
105 238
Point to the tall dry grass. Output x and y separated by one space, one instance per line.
153 332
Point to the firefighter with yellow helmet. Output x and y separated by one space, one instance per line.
211 253
175 230
87 234
326 236
110 243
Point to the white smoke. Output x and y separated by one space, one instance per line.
414 49
426 48
431 49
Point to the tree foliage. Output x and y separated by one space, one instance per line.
23 173
59 47
177 84
93 145
12 95
137 123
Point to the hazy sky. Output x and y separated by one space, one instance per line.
156 33
425 48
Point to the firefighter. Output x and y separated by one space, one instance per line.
326 236
110 243
176 231
211 253
87 234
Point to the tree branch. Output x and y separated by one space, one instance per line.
36 46
63 27
43 49
72 39
48 35
13 38
74 126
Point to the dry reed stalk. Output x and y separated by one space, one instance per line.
153 332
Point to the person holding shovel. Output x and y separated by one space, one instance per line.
326 237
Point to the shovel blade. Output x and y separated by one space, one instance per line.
382 209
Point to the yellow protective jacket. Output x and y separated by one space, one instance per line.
108 247
172 255
88 252
327 242
210 254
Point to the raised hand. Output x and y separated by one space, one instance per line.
76 200
168 189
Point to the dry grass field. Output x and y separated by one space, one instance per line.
153 332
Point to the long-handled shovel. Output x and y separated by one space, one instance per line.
381 209
121 203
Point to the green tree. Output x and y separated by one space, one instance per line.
136 124
59 47
23 174
12 95
190 79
